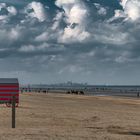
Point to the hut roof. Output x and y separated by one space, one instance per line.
8 81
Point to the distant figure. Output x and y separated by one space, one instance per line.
76 92
138 94
82 93
47 90
68 92
44 91
72 91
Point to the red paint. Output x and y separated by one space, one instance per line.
8 90
6 94
9 86
9 94
7 99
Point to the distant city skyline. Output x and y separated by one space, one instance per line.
84 41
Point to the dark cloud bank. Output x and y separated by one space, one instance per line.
93 41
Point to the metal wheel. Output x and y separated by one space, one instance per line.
8 104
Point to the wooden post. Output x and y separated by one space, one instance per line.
13 111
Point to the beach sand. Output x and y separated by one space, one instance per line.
72 117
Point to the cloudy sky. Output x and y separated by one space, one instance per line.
52 41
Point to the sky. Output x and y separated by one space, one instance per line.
84 41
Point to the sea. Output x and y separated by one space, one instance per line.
96 90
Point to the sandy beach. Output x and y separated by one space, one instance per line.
72 117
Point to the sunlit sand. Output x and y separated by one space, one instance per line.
72 117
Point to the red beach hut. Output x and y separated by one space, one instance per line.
9 87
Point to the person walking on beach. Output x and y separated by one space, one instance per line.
138 94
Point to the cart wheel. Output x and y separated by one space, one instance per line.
8 104
16 104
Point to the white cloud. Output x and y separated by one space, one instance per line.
14 34
9 35
3 17
123 2
57 20
2 5
101 10
111 34
75 10
131 10
62 3
38 11
33 48
76 14
70 68
119 13
27 48
11 12
43 37
124 57
71 35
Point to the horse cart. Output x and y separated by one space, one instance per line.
9 87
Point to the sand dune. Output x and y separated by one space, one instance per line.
72 117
